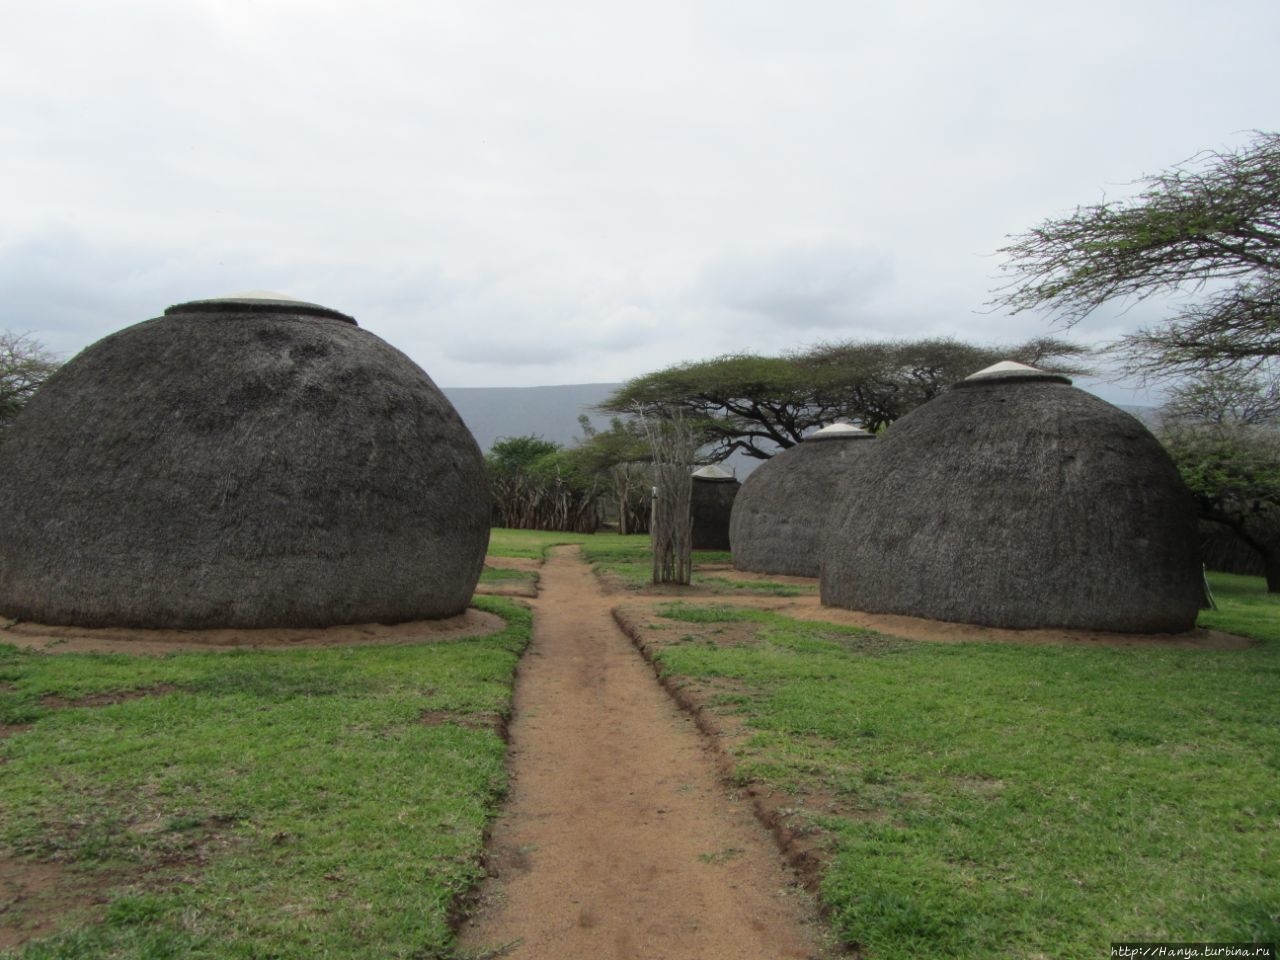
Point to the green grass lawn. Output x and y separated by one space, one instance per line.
1244 607
629 562
502 574
1001 800
258 804
534 544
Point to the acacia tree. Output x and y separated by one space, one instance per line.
623 456
1221 431
1217 399
758 405
1211 225
24 365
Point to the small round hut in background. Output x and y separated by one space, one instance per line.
1224 549
781 516
244 462
1017 500
711 504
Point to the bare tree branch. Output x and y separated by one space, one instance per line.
24 365
1211 223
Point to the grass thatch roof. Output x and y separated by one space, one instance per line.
240 463
783 511
711 497
1016 500
1222 548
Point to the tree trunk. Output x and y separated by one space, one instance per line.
1258 525
674 447
1271 561
672 526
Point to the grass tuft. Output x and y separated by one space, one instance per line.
708 613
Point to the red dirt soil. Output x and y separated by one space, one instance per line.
51 639
619 839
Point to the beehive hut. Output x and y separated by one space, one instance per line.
1223 548
250 461
711 504
1017 500
782 513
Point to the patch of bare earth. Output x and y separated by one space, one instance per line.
810 607
620 838
530 564
509 588
525 586
57 639
40 897
35 897
57 702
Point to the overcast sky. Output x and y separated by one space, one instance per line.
530 192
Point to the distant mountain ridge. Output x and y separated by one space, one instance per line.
495 413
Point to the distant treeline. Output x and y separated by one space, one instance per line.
539 485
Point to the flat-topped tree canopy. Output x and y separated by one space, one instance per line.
783 511
247 461
1017 500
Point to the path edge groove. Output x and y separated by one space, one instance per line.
802 857
463 905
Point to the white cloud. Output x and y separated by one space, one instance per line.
562 192
799 286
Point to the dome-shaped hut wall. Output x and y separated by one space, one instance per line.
711 499
240 463
1222 548
782 514
1017 500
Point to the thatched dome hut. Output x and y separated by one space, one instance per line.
1222 548
1017 500
244 462
783 511
711 503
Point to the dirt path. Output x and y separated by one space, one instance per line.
618 840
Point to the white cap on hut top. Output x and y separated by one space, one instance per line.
1003 367
839 430
712 472
1012 370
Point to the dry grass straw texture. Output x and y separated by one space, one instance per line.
711 504
1019 503
782 514
240 467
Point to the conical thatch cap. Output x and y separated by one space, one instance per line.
783 511
1007 371
256 301
240 462
1028 503
713 473
840 431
